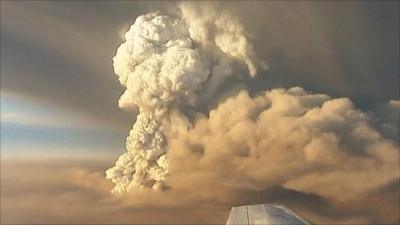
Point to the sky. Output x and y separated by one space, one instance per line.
59 105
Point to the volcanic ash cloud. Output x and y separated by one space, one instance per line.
289 138
168 62
283 137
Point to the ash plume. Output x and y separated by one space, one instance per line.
170 61
288 139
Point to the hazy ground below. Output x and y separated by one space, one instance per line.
72 189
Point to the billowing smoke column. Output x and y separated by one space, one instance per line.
169 61
282 137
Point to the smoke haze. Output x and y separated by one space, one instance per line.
210 133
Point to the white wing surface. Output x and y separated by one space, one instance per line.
264 214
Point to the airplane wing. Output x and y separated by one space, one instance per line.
264 214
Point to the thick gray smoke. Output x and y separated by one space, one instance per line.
169 61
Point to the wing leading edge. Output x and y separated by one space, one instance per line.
263 214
